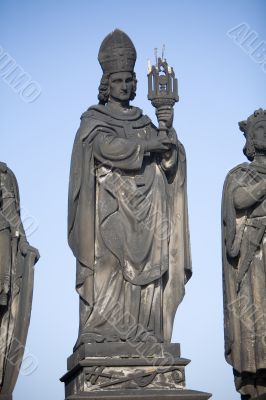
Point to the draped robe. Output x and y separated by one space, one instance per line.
127 227
16 283
244 281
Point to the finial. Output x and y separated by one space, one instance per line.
149 66
156 55
163 51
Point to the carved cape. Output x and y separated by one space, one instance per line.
82 211
243 251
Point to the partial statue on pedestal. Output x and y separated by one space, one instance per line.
17 259
244 262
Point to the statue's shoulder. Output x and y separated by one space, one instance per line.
7 171
236 176
93 111
97 112
238 170
9 179
90 119
106 115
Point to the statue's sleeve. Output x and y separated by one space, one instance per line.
233 220
117 152
11 206
246 196
170 158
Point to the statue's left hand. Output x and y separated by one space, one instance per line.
25 248
165 114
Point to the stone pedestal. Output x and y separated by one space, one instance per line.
128 371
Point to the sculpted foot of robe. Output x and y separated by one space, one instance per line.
17 259
244 262
127 221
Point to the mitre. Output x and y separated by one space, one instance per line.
117 53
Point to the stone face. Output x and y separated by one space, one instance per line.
244 262
17 259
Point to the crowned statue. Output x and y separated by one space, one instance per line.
128 229
244 262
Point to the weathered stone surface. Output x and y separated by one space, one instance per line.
244 262
160 374
128 229
133 257
147 395
17 260
107 377
143 351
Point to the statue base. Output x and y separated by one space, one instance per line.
128 371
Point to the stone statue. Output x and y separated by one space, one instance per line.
127 221
128 229
244 262
17 259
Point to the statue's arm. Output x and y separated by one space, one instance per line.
170 158
11 206
117 152
247 196
11 210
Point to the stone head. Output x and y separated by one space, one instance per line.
117 57
254 129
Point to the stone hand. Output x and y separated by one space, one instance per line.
25 248
165 114
159 145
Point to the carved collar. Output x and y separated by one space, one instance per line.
104 113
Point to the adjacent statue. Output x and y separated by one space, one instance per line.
244 262
127 220
17 258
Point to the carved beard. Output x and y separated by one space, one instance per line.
260 145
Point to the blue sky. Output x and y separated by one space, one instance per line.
220 83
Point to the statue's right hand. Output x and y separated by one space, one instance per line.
26 248
159 144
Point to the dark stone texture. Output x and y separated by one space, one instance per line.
145 395
125 176
159 374
244 262
123 350
17 259
128 229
